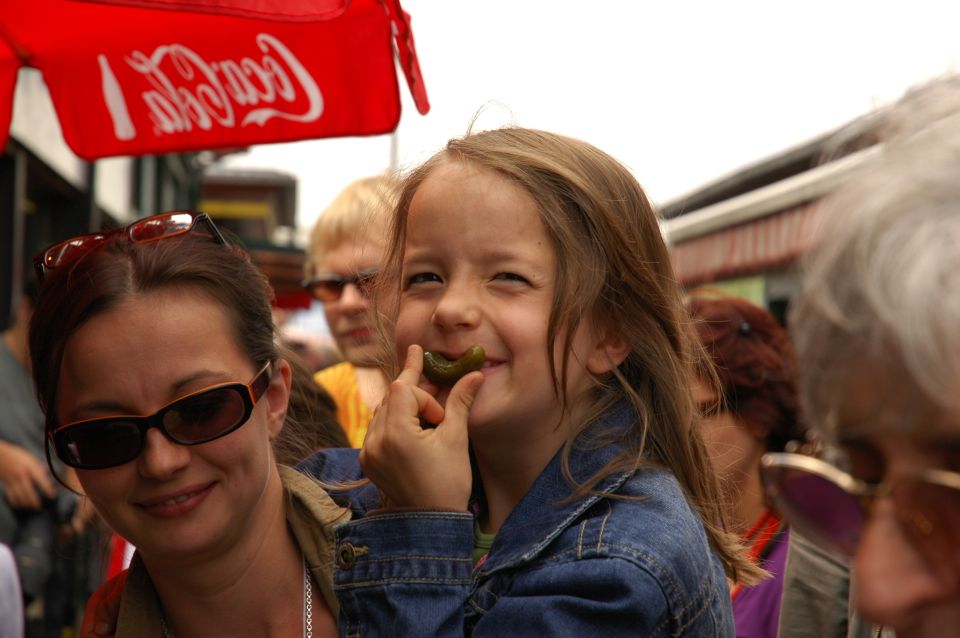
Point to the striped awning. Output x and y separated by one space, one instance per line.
762 244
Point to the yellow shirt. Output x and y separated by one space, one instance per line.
340 381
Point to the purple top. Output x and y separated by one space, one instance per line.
756 610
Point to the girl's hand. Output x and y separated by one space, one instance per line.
414 466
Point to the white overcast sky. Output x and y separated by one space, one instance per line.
682 92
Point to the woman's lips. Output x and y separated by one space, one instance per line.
178 503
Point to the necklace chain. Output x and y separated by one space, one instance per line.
307 602
307 607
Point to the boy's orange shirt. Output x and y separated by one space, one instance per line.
340 381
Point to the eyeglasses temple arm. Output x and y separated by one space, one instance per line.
217 235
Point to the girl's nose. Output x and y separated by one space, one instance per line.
161 457
893 583
457 309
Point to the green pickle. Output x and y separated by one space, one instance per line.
442 371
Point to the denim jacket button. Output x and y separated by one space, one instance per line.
346 555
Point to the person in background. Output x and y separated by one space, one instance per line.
565 488
156 363
347 244
755 411
877 330
32 509
11 599
817 601
318 351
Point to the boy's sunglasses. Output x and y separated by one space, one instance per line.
162 226
326 288
830 507
198 417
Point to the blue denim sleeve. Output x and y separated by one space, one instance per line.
336 466
404 574
410 574
606 597
332 465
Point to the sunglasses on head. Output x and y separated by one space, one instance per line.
326 288
831 507
143 231
199 417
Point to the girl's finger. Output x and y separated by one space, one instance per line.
397 395
412 365
458 408
427 405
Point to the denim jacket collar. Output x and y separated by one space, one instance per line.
542 514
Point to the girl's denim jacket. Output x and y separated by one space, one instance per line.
594 566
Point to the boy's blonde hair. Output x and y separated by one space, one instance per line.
359 213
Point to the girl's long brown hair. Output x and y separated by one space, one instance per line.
613 269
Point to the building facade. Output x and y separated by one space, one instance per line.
47 193
745 233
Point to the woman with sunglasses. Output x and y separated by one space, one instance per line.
155 361
755 411
877 330
347 244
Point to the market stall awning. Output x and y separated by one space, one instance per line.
761 244
134 77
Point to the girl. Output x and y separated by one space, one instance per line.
164 319
564 488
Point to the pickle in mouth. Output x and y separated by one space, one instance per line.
443 372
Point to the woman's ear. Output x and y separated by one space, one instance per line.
278 397
608 353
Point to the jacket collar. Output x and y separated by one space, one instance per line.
543 513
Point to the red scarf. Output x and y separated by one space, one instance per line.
759 538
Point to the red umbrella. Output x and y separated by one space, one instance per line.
133 77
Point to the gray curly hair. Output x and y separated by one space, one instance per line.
881 291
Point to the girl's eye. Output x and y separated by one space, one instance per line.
422 278
512 276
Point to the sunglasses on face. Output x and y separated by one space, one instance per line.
327 288
199 417
831 507
143 231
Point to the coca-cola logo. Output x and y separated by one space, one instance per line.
187 92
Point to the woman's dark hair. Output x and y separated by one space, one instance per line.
117 269
311 416
755 362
